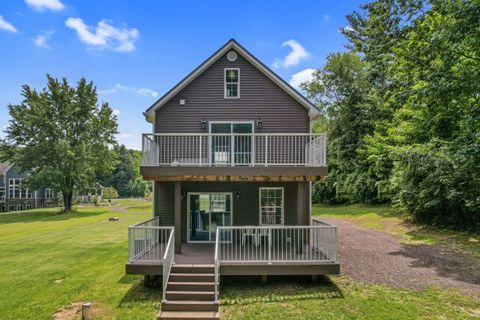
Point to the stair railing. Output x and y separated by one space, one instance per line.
168 258
217 265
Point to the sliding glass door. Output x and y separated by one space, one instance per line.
206 212
231 143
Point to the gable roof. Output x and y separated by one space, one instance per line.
4 167
232 44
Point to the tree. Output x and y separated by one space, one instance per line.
139 187
61 136
341 88
110 193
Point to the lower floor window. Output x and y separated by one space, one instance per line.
271 206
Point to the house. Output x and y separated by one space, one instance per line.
232 158
15 197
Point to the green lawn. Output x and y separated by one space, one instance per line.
49 261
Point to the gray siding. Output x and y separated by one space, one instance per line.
259 97
245 209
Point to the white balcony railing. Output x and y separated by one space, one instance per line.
204 149
277 244
147 241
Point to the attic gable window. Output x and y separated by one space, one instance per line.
232 83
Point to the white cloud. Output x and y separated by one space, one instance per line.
116 112
124 135
297 54
54 5
141 91
5 25
302 76
147 92
41 39
105 35
348 29
326 18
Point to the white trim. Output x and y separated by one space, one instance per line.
232 44
260 206
209 215
225 83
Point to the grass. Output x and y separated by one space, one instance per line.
49 261
386 219
339 298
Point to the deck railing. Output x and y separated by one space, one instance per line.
168 259
258 149
277 244
147 240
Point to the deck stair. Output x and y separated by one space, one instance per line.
190 293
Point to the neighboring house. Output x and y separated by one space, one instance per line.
90 195
15 197
232 158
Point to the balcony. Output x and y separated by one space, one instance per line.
213 154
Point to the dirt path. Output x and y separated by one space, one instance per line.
373 256
124 209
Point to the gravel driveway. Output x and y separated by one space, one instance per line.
373 256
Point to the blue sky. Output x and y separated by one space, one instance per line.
134 51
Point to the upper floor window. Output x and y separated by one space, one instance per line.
232 83
49 193
14 188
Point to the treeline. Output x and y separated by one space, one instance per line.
402 111
125 177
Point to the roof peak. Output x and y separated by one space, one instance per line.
313 111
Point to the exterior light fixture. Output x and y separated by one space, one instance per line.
204 123
259 123
237 194
183 194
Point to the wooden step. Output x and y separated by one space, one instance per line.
189 306
186 315
193 268
190 295
192 277
190 286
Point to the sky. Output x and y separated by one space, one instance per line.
135 51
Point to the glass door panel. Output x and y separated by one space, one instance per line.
242 152
207 211
221 214
221 143
199 217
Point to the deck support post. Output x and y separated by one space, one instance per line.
300 214
178 216
314 278
264 278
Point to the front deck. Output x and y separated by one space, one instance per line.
252 250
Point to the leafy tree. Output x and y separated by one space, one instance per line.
61 136
340 88
110 193
139 187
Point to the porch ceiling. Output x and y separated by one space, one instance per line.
285 174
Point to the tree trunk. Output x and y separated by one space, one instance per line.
67 201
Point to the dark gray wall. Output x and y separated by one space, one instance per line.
259 97
245 210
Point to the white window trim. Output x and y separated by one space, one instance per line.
49 193
16 186
260 206
225 83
